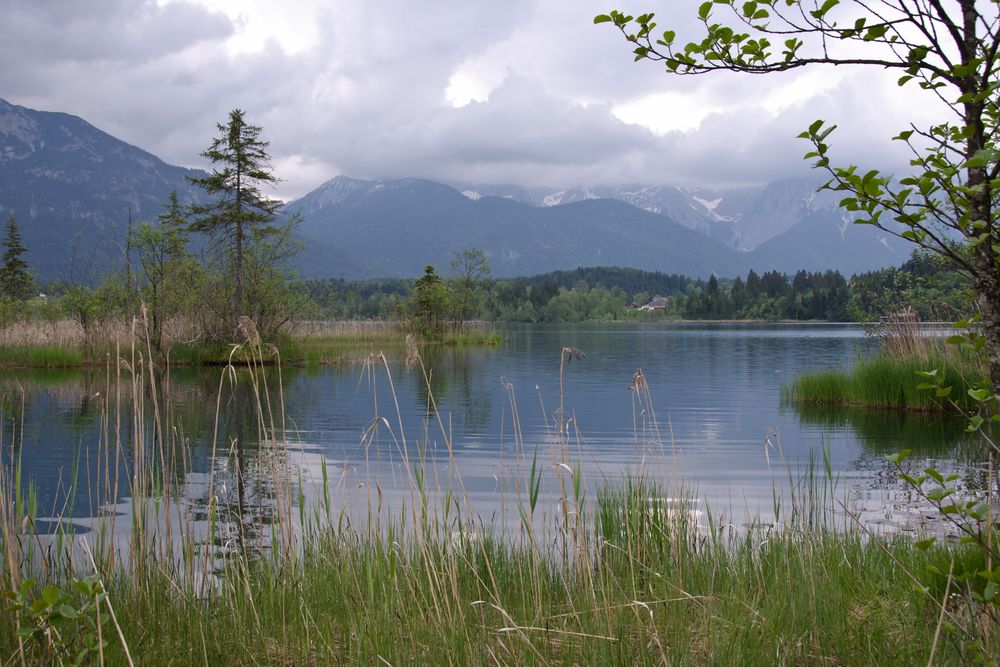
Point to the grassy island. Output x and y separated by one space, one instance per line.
897 376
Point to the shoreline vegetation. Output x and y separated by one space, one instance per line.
912 371
632 571
63 344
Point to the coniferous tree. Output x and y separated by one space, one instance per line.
15 280
430 302
241 212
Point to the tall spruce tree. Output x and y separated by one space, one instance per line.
240 211
15 280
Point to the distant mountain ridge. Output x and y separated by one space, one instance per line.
401 225
742 218
72 187
524 231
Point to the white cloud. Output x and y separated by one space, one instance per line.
525 92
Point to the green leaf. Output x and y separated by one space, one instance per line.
924 545
990 592
876 32
51 594
937 495
899 457
827 6
704 10
979 394
68 612
602 18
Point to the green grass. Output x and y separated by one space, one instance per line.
40 356
310 349
889 382
641 587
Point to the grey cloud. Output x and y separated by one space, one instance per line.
125 31
369 99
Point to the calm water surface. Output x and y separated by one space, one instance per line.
712 422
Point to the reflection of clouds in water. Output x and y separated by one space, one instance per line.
713 390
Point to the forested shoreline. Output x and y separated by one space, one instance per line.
927 285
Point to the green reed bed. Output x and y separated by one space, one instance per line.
627 575
885 381
40 356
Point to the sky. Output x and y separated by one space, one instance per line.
519 92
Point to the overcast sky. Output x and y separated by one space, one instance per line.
518 91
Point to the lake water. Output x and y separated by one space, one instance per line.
709 422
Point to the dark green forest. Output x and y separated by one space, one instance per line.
925 283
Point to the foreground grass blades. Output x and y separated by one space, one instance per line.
627 573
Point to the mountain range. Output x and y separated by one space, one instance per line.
394 227
73 189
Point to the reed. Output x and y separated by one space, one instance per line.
243 569
41 356
892 378
64 344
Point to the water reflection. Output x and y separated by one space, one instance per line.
884 432
712 399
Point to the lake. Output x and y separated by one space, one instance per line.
707 418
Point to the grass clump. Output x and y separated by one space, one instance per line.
40 356
896 377
314 343
886 382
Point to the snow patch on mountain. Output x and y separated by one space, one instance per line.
554 199
710 206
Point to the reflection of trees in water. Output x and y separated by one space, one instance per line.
457 380
933 436
242 498
890 431
248 482
86 422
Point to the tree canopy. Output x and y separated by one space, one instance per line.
240 208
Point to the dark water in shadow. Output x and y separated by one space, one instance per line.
714 420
